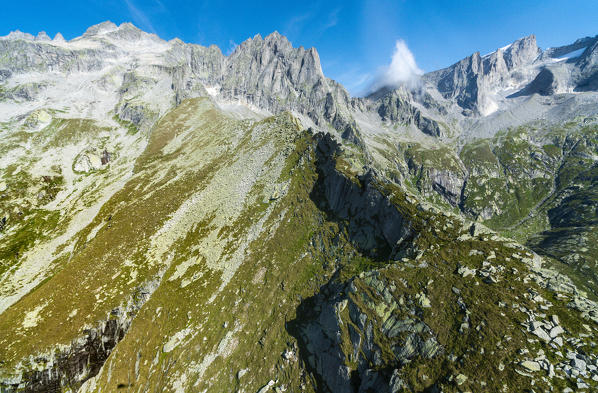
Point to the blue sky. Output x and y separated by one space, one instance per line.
354 38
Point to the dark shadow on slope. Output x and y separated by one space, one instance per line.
324 351
377 229
543 84
316 330
573 235
373 224
589 83
307 311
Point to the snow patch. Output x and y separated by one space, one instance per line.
571 55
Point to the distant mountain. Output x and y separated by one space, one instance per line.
174 219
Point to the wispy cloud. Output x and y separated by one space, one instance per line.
402 70
312 23
140 17
354 78
332 19
294 26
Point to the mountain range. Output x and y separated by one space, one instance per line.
174 219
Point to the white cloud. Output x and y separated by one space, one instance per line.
402 70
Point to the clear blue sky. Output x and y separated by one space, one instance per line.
354 38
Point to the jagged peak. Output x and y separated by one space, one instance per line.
42 36
18 35
129 26
278 42
518 44
274 39
522 51
526 39
276 36
100 28
523 42
280 46
176 41
59 38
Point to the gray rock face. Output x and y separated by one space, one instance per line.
522 51
25 56
373 223
446 180
269 73
588 69
460 82
398 106
321 326
468 81
543 84
68 368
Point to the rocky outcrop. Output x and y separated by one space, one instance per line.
543 84
26 56
372 222
69 366
436 172
398 107
91 159
346 331
587 79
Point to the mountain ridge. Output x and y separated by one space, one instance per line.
175 219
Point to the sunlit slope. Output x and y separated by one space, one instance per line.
244 255
200 195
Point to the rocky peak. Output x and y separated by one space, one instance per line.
59 38
277 42
18 35
523 51
272 69
100 28
459 81
129 32
468 80
263 50
42 36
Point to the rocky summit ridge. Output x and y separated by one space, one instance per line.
174 219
